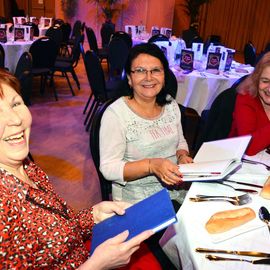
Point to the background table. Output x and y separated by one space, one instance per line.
180 240
199 89
13 52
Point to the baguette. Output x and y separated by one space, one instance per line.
227 220
265 192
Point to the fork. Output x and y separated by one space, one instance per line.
240 189
234 202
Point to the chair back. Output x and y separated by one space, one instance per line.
34 27
92 40
2 57
123 35
76 30
117 56
106 31
66 30
216 122
55 33
44 52
105 185
24 73
76 49
95 75
250 54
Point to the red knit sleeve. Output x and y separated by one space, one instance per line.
250 118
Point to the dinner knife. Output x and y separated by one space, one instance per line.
242 183
234 252
218 258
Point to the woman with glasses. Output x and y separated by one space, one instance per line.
146 140
252 108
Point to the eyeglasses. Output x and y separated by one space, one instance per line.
142 71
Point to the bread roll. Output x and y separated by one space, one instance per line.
226 220
265 192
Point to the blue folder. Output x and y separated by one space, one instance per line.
155 212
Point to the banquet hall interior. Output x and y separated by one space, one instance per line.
59 142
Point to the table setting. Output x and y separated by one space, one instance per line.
223 224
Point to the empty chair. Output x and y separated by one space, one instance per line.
106 31
66 31
250 54
24 73
102 91
117 56
76 31
102 53
44 52
123 35
55 33
159 37
68 66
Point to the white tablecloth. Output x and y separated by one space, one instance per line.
13 52
199 89
180 240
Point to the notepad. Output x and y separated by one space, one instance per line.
216 159
153 213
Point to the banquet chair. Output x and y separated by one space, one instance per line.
117 56
190 118
250 54
102 91
158 37
44 52
24 73
66 67
123 35
76 31
106 31
102 53
66 31
216 122
55 33
105 185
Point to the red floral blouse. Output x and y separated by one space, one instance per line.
37 228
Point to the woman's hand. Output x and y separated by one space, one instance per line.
183 157
104 210
115 252
166 170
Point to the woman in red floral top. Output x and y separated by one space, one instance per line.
38 230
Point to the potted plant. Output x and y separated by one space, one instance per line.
110 8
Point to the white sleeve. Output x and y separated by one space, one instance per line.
112 145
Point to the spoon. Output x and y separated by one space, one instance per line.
264 216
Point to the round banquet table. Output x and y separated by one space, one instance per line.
13 51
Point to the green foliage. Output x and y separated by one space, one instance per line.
107 6
69 7
192 8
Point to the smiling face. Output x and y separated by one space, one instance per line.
264 87
146 86
15 123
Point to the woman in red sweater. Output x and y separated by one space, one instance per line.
252 108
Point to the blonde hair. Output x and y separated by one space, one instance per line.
10 80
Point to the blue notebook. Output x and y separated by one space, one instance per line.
155 212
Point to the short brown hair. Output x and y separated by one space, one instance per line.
10 80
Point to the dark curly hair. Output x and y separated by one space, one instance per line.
155 51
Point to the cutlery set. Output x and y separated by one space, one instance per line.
265 257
